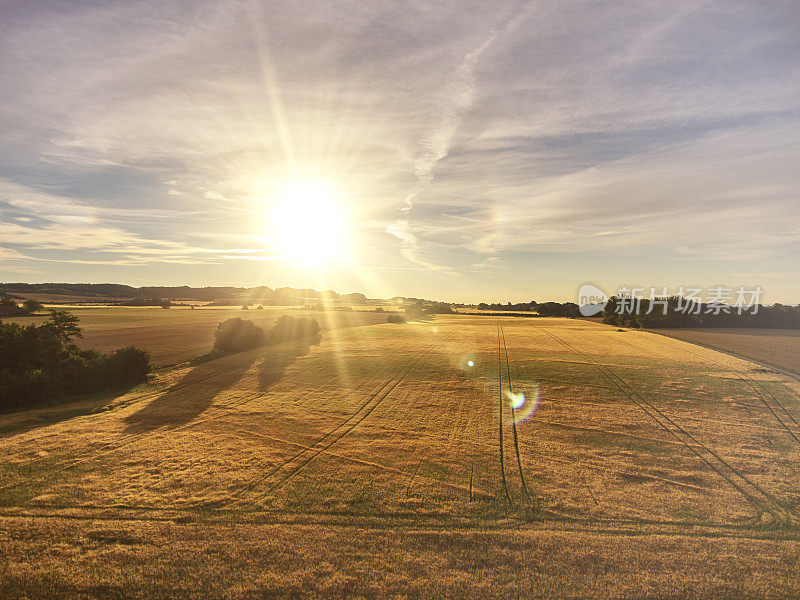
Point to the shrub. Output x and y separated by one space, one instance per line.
125 366
237 335
395 319
292 328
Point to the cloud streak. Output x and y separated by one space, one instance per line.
533 140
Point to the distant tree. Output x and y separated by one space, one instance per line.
415 312
32 306
64 324
395 319
126 366
245 307
259 307
237 335
165 304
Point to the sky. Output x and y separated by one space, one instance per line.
495 151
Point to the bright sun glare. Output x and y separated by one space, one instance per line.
307 223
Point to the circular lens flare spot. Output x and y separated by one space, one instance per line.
522 406
466 362
516 400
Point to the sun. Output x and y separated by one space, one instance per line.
307 223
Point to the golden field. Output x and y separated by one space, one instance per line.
179 334
386 462
777 347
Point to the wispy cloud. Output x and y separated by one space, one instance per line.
473 133
456 98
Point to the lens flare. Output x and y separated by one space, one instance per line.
466 362
522 406
516 400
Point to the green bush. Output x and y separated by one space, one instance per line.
237 335
293 328
125 366
395 319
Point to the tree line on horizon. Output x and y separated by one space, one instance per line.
543 309
674 312
121 292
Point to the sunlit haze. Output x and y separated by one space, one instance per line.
462 151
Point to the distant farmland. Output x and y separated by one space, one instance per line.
179 334
777 347
387 462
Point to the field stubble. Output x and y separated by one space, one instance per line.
643 460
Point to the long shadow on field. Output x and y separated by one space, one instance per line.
278 359
191 396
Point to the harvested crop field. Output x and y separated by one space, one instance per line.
404 461
180 333
777 347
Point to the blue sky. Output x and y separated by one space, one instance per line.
481 151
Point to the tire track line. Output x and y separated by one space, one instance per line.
757 387
334 435
759 498
500 391
128 439
514 416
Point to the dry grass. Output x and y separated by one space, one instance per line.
179 334
369 466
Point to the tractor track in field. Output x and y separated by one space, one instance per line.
305 456
241 401
126 440
453 440
222 412
447 444
411 520
500 424
525 490
760 499
760 391
351 459
758 388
